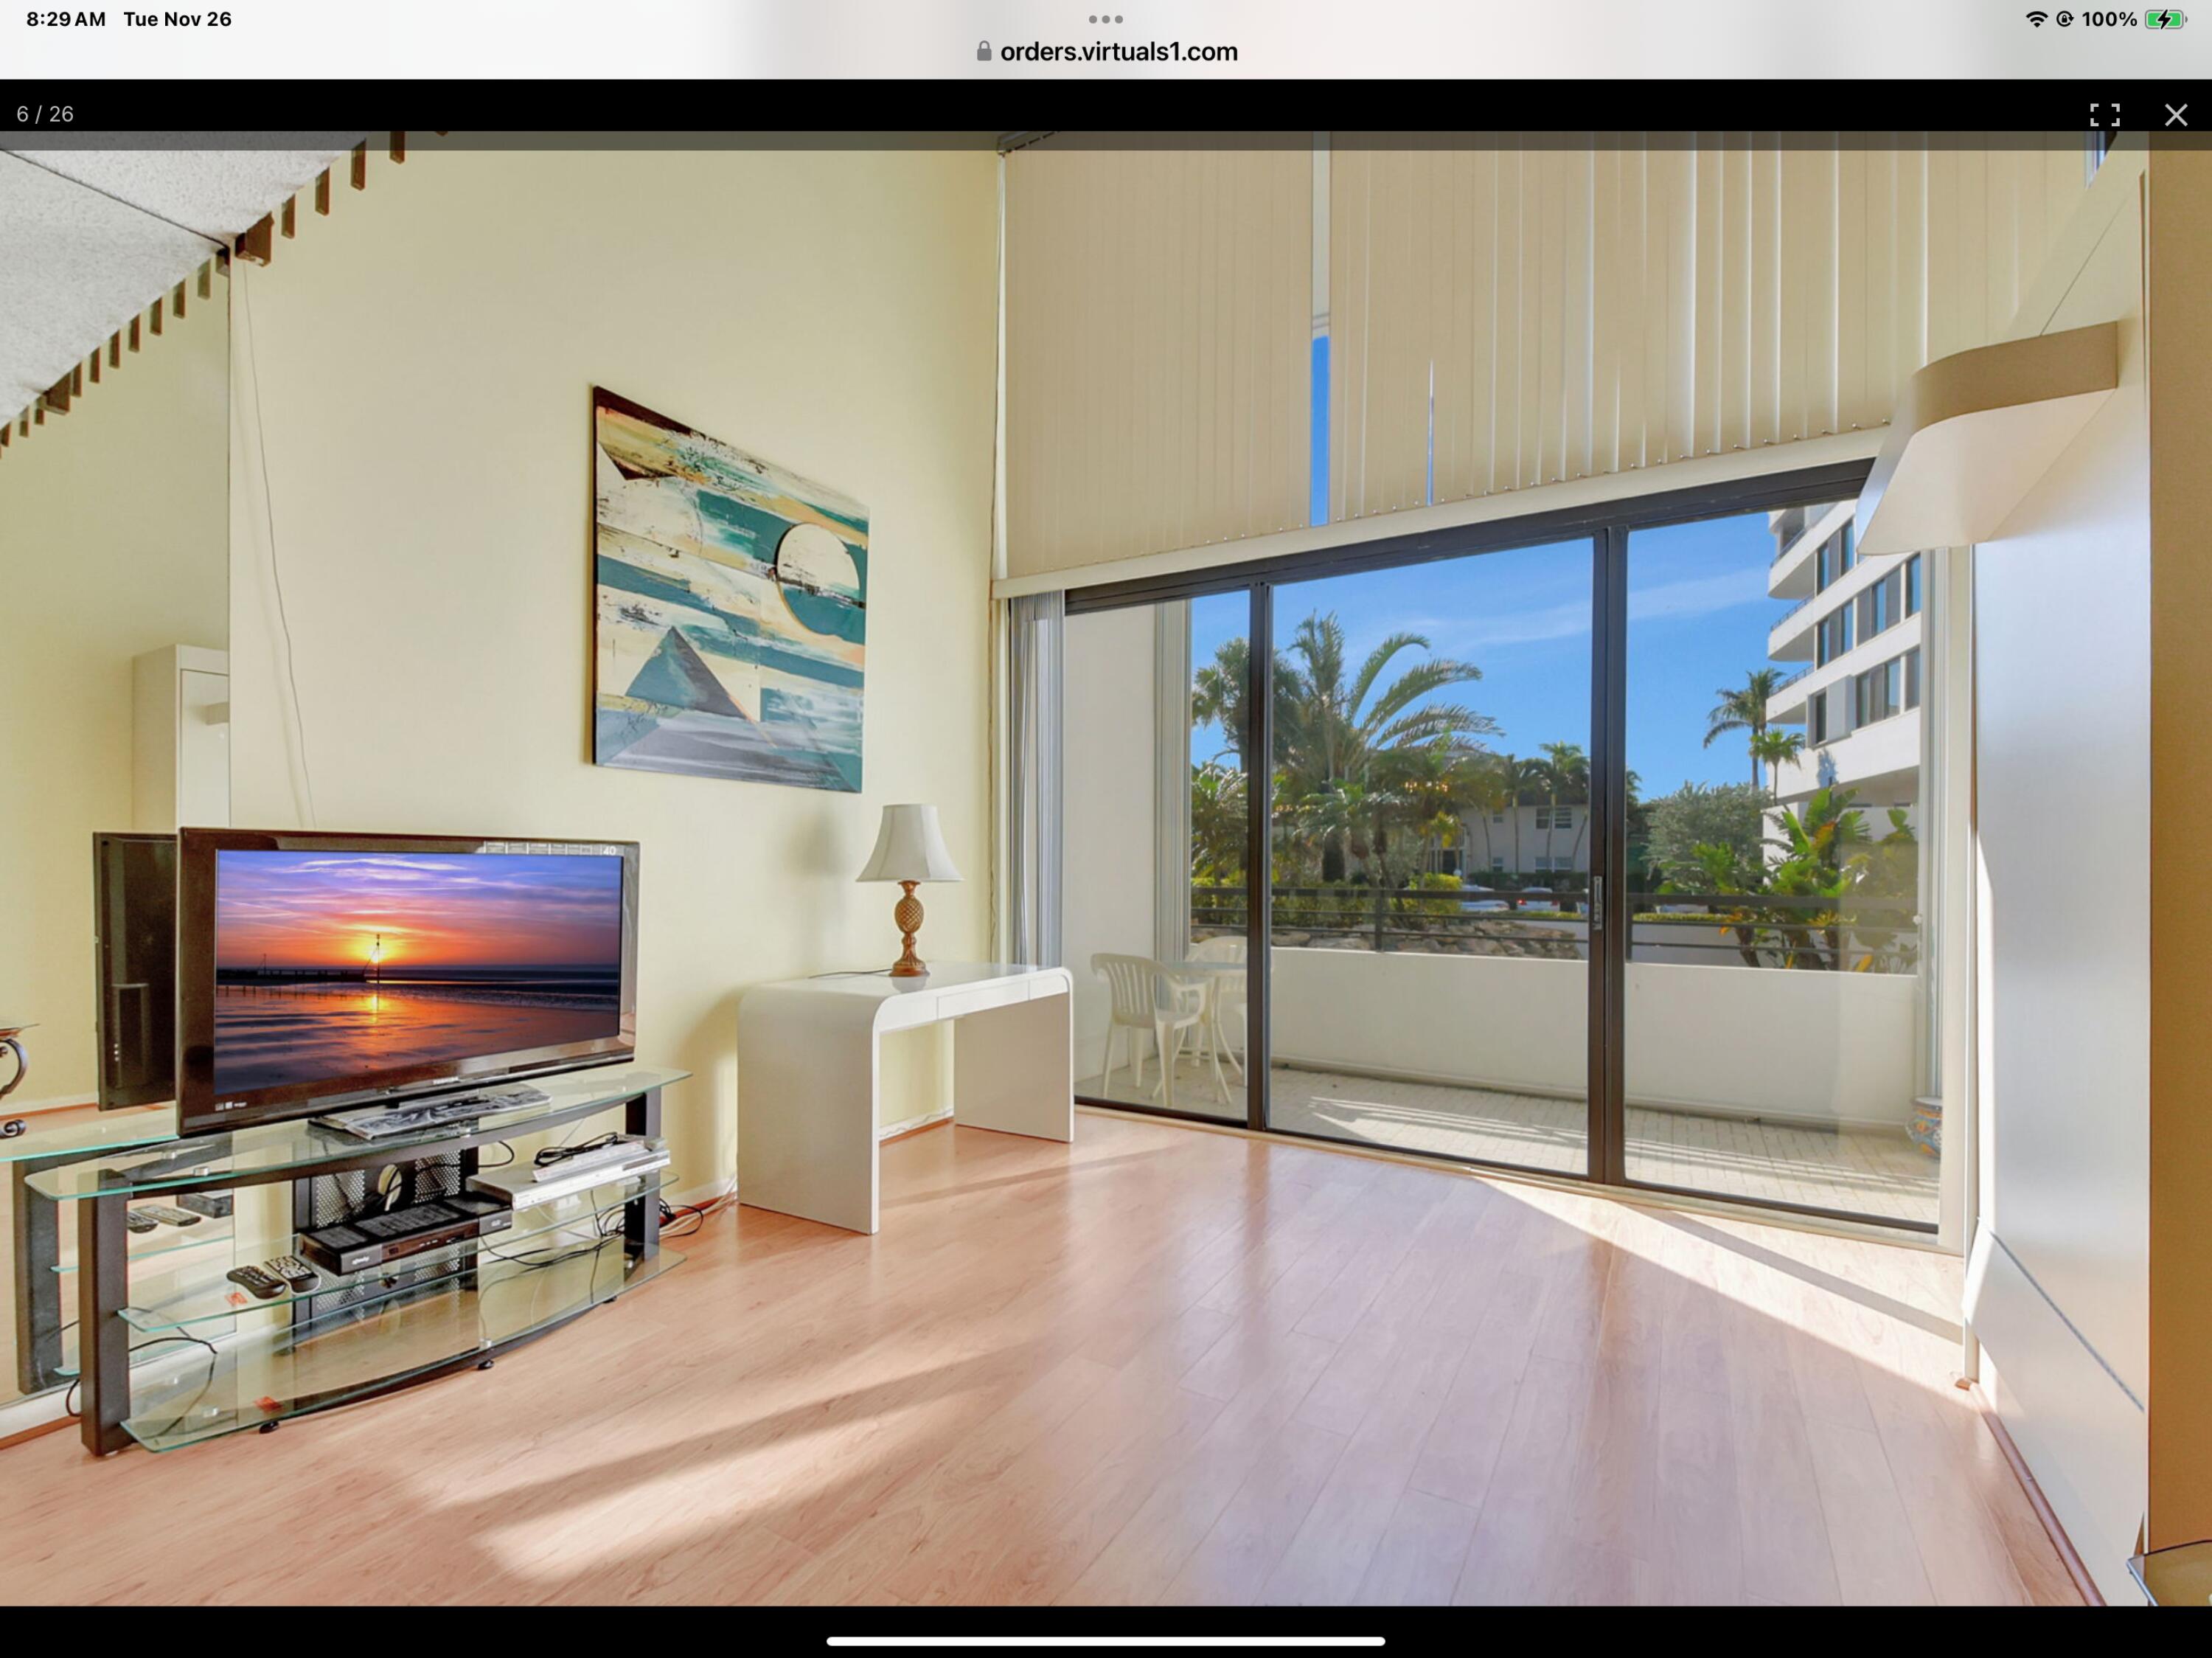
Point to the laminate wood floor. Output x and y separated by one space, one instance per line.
1159 1365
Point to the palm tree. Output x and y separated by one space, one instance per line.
1327 728
1533 783
1324 728
1345 817
1445 829
1744 710
1774 749
1333 724
1570 781
1437 782
1505 796
1217 821
1638 814
1487 789
1216 695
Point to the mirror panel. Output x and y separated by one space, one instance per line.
114 575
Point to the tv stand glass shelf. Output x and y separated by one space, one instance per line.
169 1240
269 1150
191 1392
174 1352
200 1293
45 1333
79 1130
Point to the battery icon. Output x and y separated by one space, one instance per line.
2164 20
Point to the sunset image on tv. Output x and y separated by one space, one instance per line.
332 964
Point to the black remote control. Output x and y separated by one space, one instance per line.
294 1271
169 1215
137 1220
254 1278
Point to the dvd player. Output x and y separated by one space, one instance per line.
622 1149
518 1188
381 1239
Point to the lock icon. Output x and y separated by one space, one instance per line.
982 51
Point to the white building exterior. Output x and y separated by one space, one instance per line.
1525 840
1854 639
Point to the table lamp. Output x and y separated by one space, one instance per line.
910 850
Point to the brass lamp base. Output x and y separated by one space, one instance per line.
908 916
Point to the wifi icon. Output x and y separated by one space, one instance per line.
2038 18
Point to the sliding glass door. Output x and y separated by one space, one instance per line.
1429 959
1592 849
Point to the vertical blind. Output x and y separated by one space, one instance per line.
1500 314
1158 322
1507 315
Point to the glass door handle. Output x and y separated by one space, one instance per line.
1597 902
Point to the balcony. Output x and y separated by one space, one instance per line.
1453 1024
1880 762
1790 639
1482 1057
1787 705
1791 576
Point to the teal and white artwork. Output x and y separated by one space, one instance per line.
731 609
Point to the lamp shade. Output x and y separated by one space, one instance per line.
910 848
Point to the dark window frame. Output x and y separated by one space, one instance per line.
1608 527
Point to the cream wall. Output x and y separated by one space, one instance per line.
112 531
419 368
2058 1291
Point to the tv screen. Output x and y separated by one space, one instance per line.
322 970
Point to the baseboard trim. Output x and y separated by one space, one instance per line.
2084 1585
39 1432
33 1417
711 1191
46 1106
891 1132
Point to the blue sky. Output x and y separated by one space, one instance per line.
1699 616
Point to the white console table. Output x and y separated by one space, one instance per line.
809 1058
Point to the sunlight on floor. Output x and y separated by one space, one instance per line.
1859 1171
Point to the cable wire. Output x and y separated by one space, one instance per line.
276 569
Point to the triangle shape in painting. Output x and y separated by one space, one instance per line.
675 677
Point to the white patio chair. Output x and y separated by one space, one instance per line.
1147 996
1225 1000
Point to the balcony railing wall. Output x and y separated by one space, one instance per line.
1760 930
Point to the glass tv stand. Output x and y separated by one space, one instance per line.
179 1353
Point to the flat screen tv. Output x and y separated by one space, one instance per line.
317 971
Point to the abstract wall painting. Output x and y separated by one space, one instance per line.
731 610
